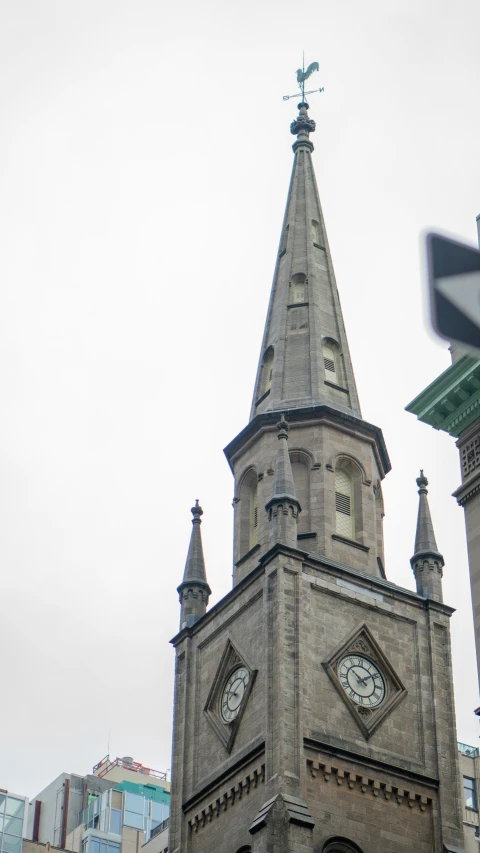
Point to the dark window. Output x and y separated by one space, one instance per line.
469 792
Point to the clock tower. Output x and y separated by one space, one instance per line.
313 704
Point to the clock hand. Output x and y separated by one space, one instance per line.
360 680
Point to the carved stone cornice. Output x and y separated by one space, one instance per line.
227 798
315 414
467 490
368 785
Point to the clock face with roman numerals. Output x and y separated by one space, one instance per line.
362 680
233 693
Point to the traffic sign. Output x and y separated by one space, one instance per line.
454 279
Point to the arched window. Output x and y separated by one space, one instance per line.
344 504
267 371
298 288
331 361
248 511
316 232
301 478
283 245
349 501
340 845
379 514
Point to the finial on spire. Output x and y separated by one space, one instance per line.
427 562
303 124
194 590
422 482
301 127
196 511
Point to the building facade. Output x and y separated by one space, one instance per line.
13 821
314 703
470 779
117 808
451 403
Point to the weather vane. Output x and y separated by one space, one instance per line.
303 75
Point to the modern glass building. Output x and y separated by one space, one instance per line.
142 807
13 812
115 809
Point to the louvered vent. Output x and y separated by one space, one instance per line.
255 517
342 503
329 364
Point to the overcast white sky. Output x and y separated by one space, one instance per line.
145 156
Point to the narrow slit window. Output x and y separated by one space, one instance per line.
283 245
248 509
298 288
267 371
343 504
253 516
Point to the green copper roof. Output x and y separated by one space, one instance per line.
149 791
452 401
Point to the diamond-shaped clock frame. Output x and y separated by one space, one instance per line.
362 642
230 660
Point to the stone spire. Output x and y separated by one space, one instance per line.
427 562
304 358
283 507
194 590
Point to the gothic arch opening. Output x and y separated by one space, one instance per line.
348 498
248 509
301 464
298 288
332 361
340 845
267 371
316 232
379 513
283 245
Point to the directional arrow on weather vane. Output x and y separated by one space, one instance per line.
454 278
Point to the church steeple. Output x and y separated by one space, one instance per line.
304 359
337 459
312 668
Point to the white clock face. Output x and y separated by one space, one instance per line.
233 693
362 680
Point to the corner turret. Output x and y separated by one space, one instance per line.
194 591
427 562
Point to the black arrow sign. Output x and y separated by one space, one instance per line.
454 279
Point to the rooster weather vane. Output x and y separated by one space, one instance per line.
303 75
